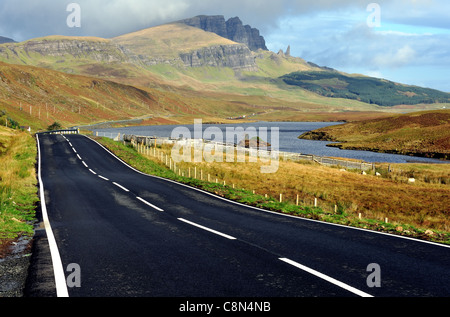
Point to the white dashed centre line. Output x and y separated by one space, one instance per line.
207 229
121 187
149 204
326 278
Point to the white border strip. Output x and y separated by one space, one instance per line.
268 211
60 279
326 278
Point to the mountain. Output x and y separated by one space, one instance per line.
177 45
6 40
366 89
191 71
232 29
183 46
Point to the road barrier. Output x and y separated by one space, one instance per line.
62 131
153 141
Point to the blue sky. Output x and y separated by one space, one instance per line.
411 45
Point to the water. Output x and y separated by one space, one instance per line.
288 140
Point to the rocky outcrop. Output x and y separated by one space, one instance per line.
247 35
97 50
233 29
237 57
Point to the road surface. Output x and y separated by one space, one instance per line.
110 231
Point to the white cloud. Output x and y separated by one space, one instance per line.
394 59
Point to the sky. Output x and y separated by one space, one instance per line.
406 41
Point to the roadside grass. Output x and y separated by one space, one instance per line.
308 190
18 190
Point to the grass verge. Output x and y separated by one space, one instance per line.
18 190
331 187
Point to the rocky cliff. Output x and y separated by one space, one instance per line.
232 29
61 50
237 57
72 52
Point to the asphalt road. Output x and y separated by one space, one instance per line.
114 232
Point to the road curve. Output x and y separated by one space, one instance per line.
120 233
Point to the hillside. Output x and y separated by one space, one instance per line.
419 134
366 89
184 46
37 97
5 40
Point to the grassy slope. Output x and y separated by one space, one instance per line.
367 89
38 97
421 133
18 192
168 40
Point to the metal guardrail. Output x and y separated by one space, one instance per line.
62 131
327 161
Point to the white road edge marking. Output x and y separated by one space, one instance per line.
58 270
326 278
121 187
151 205
207 229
